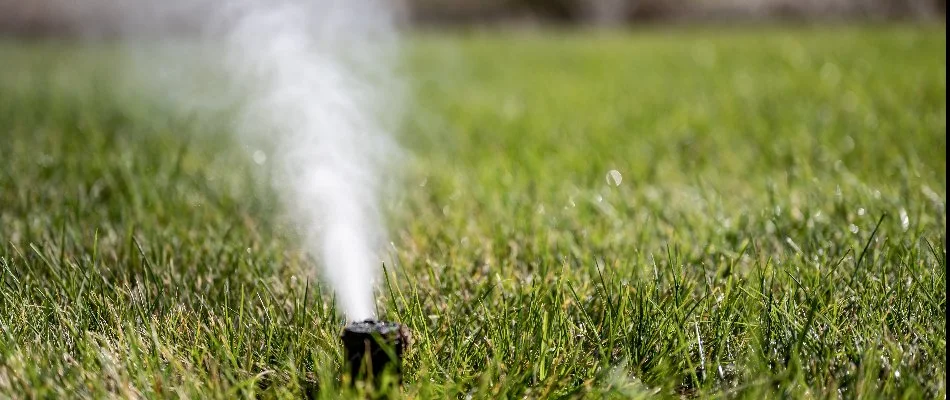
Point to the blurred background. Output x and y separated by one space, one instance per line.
577 210
101 17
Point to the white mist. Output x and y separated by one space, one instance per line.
316 92
318 71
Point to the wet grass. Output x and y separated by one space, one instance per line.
779 229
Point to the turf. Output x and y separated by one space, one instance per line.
779 229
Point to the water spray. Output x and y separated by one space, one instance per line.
313 89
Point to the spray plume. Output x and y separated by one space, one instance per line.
315 88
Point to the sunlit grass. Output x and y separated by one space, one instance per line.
779 228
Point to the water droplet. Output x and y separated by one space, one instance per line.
795 54
614 178
248 250
861 211
905 220
512 108
259 157
853 228
831 74
848 144
744 83
570 202
850 101
600 199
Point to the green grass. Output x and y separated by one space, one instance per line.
779 230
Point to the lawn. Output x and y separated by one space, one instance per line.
778 228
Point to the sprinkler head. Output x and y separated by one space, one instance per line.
372 347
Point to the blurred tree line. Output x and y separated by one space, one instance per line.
100 17
616 12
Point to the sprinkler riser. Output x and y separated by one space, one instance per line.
371 347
